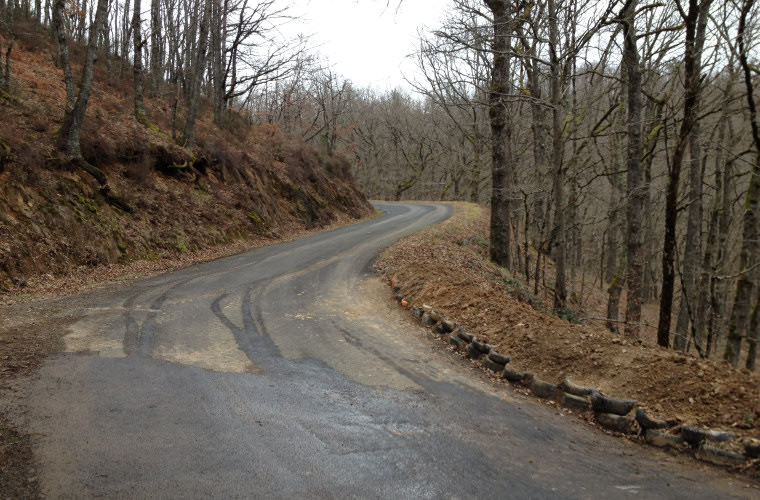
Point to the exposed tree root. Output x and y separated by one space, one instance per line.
104 188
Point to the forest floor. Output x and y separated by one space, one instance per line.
447 267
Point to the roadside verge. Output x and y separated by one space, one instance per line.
704 407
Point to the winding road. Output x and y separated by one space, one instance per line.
286 372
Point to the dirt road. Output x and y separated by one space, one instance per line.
284 372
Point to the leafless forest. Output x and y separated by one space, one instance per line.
615 140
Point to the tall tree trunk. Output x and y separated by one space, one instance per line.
745 285
691 97
5 73
501 167
63 53
126 29
560 285
137 63
634 177
156 69
196 76
613 268
217 60
106 37
73 118
539 129
655 115
477 146
694 222
722 211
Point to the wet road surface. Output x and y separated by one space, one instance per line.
280 373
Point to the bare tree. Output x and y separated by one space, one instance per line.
76 107
501 130
636 188
745 285
137 63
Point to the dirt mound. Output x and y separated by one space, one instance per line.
447 267
241 182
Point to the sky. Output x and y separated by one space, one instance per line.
367 41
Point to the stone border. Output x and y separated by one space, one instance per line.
621 416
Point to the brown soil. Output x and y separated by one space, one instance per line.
447 267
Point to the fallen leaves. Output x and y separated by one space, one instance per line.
444 266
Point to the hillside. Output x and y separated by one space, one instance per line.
240 182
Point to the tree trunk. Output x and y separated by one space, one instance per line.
501 167
613 304
745 284
217 61
196 76
539 129
156 69
74 114
63 53
560 285
74 117
613 269
476 162
636 189
694 222
137 64
721 213
691 97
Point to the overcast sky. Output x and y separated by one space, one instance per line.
367 41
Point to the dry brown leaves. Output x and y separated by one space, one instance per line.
445 266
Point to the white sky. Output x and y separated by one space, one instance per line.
367 41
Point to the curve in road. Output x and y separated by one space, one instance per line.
279 373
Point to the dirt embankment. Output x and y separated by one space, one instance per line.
241 183
447 267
